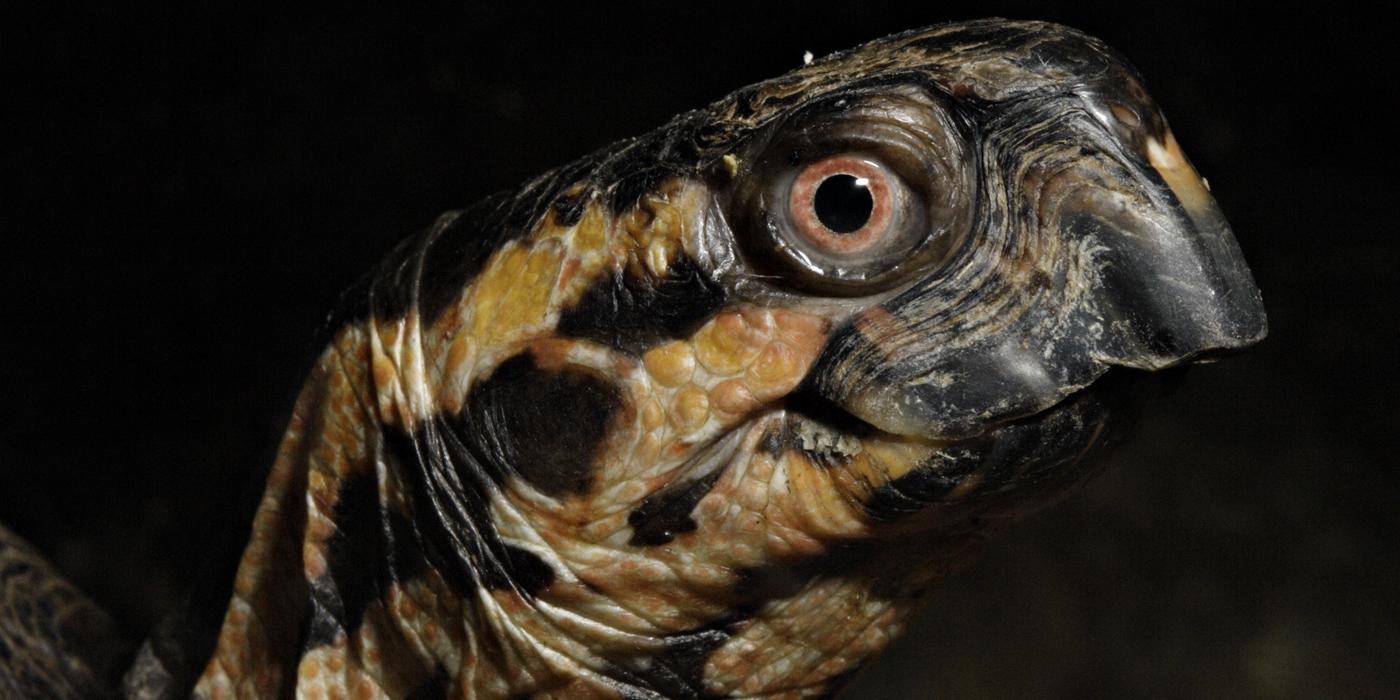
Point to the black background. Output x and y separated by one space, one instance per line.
189 192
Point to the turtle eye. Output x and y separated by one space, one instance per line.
843 223
854 194
843 205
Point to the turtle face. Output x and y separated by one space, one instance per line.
987 241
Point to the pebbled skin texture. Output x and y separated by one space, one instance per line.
598 438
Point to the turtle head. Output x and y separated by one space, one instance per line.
993 216
705 412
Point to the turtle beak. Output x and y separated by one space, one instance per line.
1111 261
1174 276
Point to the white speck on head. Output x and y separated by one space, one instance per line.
1026 366
806 58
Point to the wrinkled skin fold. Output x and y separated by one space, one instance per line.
639 430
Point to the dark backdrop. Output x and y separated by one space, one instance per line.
189 192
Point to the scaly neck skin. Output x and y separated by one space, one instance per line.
770 590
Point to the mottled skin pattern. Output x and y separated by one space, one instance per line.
590 440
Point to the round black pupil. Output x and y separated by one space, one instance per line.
843 203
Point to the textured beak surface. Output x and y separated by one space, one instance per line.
1100 261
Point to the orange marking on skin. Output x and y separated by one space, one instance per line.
775 365
568 271
384 372
590 234
879 325
528 278
622 365
320 529
551 354
732 396
653 416
491 287
815 506
460 354
313 561
893 457
690 409
727 344
671 364
363 690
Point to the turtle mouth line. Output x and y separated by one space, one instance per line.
1023 462
1114 386
1119 390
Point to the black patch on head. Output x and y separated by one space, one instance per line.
777 439
451 530
520 569
544 426
447 507
371 548
633 313
678 671
354 555
666 513
323 626
760 584
568 209
635 182
923 485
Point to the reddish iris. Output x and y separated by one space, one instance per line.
841 204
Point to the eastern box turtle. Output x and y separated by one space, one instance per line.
705 413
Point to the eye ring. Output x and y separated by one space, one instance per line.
803 206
